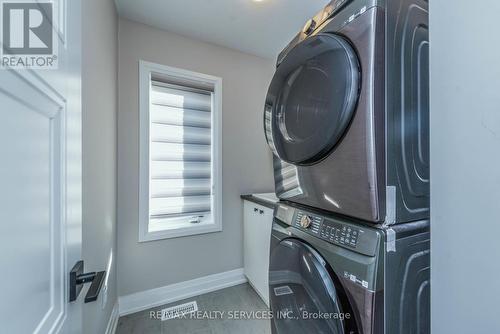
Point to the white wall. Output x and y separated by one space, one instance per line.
465 171
99 102
247 165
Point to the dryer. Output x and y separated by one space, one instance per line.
346 113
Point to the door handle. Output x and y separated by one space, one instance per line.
261 212
77 278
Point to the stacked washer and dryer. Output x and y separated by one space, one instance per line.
346 117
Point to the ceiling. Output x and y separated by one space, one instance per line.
260 28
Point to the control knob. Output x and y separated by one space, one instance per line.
305 221
309 27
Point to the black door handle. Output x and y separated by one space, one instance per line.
95 287
77 279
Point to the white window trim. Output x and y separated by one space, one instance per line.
145 72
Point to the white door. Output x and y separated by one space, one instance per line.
250 235
40 186
256 244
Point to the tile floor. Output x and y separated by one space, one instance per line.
238 298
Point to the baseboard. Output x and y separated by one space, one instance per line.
144 300
113 320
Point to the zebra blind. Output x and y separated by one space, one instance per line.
180 152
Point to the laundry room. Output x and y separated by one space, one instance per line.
249 166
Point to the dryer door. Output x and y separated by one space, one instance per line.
305 296
312 99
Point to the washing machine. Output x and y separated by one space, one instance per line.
347 112
333 275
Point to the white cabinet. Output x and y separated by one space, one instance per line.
257 223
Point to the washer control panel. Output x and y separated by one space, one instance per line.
334 230
308 221
329 230
340 234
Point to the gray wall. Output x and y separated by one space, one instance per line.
247 165
99 98
465 173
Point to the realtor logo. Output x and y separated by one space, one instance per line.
28 35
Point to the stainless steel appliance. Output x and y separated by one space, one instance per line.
347 111
333 275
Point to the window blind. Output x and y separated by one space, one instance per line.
180 151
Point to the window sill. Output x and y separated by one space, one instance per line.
194 229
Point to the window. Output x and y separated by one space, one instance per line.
180 152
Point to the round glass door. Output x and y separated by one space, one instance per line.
312 99
303 295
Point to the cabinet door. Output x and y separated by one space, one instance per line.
257 233
265 221
250 221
